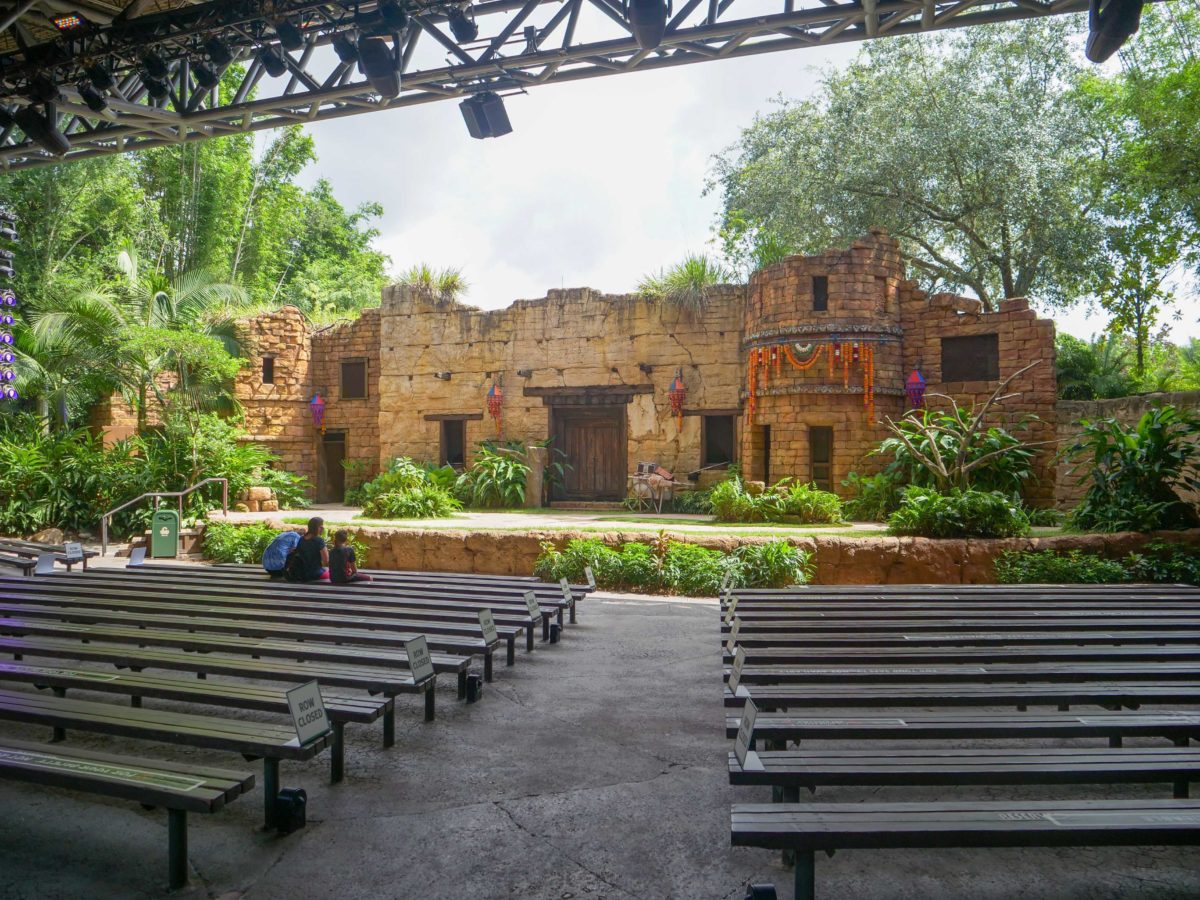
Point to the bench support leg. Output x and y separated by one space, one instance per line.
545 627
430 704
529 638
806 875
790 794
389 725
510 652
177 849
462 685
60 734
1181 790
270 791
487 666
135 701
560 617
337 753
573 604
1114 741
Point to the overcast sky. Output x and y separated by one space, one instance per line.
600 182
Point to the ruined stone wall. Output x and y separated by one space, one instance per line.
570 338
1023 339
358 418
1071 482
277 415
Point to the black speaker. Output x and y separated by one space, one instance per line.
485 115
474 687
376 61
1110 24
39 129
761 892
291 810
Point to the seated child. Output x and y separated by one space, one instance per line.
342 568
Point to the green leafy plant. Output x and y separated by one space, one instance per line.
1048 567
873 497
686 284
290 490
402 475
772 564
1137 473
230 543
787 501
495 480
958 514
425 501
693 502
1163 563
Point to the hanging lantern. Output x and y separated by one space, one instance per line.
317 406
915 388
677 394
854 351
495 401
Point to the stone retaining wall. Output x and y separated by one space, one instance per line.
840 560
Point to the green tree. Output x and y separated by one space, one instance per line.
1092 370
446 285
969 147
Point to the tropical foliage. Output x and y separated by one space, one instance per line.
1159 563
444 285
405 491
686 284
244 543
786 501
957 513
495 478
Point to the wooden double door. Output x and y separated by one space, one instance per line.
593 439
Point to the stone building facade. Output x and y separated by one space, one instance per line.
791 375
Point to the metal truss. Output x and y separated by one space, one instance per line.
521 44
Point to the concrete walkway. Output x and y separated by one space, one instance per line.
594 769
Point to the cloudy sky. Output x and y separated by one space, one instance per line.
601 181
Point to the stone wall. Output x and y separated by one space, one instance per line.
571 338
358 419
1070 484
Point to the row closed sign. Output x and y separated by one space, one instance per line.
308 712
488 623
532 605
419 660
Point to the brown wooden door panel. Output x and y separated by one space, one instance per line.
593 439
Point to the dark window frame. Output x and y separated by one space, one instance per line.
362 361
706 441
444 456
820 292
970 357
268 370
820 444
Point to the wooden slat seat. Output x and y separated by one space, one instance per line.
849 617
32 551
975 624
236 695
906 656
23 563
1111 695
951 672
775 727
253 740
178 787
947 766
809 827
999 638
934 592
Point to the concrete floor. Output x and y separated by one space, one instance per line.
593 769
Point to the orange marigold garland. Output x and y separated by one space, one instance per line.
802 366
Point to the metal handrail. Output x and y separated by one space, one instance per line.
179 495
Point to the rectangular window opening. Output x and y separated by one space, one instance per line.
268 370
717 440
971 358
820 453
354 379
820 291
454 443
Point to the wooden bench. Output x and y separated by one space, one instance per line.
116 601
983 622
807 828
951 767
388 682
32 551
962 673
1110 695
23 563
889 639
253 740
776 728
235 695
180 788
905 656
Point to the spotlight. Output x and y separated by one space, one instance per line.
6 338
7 234
7 319
443 376
272 61
39 129
6 272
218 51
95 100
99 76
1110 24
461 27
344 48
204 75
11 394
155 87
6 118
485 115
393 15
7 357
153 63
66 23
289 35
375 57
648 21
43 90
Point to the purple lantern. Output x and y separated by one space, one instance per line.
317 405
915 388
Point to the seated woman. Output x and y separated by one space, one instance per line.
275 557
312 556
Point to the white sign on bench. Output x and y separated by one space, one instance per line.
731 641
308 712
532 605
74 551
488 623
730 610
137 557
418 658
735 676
565 586
45 564
746 757
590 576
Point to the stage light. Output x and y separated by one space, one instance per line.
272 61
43 90
6 118
8 375
218 51
7 234
375 57
289 35
485 115
344 48
155 87
204 75
11 394
95 100
154 63
6 272
393 15
99 76
6 338
648 21
7 319
7 357
66 23
1110 24
463 28
39 129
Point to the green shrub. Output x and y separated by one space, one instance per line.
441 476
425 501
1163 563
1044 516
402 475
570 562
1136 473
874 497
290 490
229 543
693 570
958 514
495 480
787 501
807 504
693 502
1048 567
772 565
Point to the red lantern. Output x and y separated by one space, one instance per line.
677 394
915 388
317 406
495 401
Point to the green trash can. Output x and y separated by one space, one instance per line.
164 533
